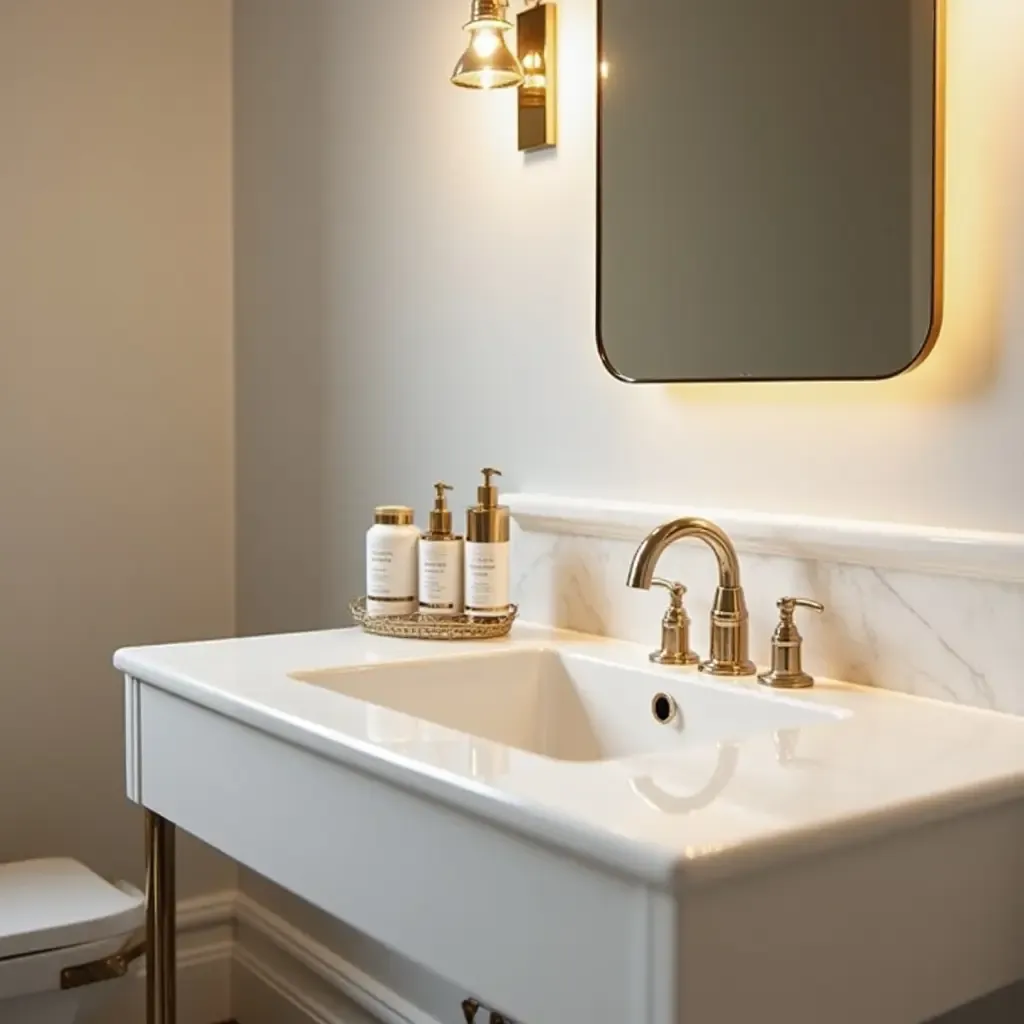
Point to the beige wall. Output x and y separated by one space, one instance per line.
416 300
116 503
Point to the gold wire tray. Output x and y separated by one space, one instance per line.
432 627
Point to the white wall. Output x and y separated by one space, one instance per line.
416 300
116 496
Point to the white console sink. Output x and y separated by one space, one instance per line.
512 817
561 704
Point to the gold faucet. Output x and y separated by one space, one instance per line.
729 625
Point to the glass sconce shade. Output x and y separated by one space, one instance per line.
487 63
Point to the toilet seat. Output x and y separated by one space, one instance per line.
57 902
57 914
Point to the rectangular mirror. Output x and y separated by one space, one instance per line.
769 188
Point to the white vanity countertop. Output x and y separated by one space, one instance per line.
892 761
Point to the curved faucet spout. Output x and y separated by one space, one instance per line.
641 571
729 643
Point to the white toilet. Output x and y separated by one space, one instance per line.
56 913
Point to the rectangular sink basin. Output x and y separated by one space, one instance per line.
566 706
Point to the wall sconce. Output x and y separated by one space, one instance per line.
489 64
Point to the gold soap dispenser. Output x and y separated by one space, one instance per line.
487 550
440 561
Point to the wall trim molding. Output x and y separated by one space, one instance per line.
203 913
976 554
227 940
303 970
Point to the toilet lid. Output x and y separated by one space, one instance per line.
49 904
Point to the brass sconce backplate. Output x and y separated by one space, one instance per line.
536 40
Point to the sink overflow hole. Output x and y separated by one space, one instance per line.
664 708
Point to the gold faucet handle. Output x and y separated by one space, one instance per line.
675 589
787 671
675 628
787 605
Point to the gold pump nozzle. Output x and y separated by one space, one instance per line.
487 522
487 495
440 514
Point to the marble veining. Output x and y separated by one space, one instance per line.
953 638
932 550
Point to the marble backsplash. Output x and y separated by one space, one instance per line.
949 637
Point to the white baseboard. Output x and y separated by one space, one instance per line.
267 992
237 960
319 985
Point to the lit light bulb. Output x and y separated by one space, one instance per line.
487 62
604 68
485 42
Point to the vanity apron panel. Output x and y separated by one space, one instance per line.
542 937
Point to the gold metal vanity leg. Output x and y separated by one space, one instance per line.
151 951
167 925
161 947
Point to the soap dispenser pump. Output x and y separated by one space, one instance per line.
440 568
487 547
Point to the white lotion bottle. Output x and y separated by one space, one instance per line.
440 567
391 545
487 549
